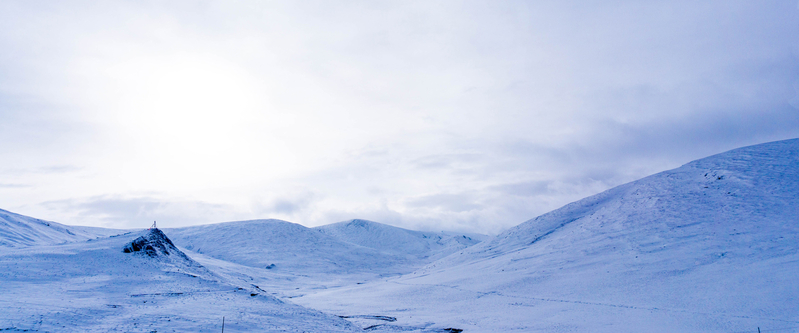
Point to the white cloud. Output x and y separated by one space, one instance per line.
432 115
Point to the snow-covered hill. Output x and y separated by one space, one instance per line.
19 230
712 246
282 246
289 259
136 282
398 241
45 262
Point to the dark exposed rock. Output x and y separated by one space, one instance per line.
155 244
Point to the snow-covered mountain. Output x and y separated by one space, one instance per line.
712 246
264 258
135 282
288 258
289 247
398 241
19 230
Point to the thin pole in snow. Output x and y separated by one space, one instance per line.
758 330
223 325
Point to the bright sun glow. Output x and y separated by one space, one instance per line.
191 115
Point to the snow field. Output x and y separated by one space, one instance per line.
712 246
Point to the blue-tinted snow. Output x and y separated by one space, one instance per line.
711 246
19 230
94 286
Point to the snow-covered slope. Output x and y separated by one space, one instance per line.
341 249
136 282
398 241
155 245
43 260
741 203
19 230
712 246
282 247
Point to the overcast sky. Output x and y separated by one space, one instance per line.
430 115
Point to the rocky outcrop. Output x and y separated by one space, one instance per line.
153 244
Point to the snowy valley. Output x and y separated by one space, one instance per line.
712 246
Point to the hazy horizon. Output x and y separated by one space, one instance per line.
463 116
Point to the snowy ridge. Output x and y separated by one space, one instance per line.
353 247
154 244
19 230
398 241
747 191
238 267
283 247
712 246
95 286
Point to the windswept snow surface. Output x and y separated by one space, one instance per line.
707 247
96 286
19 230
